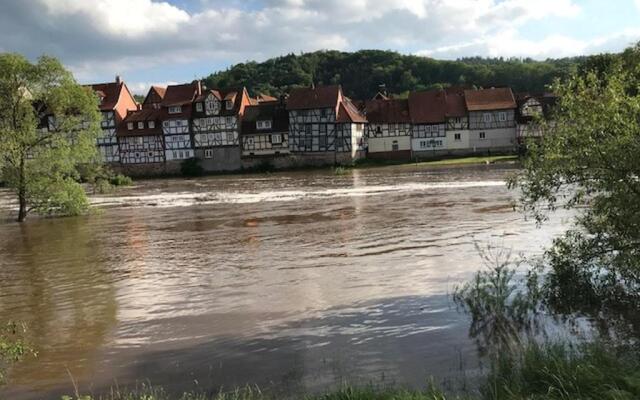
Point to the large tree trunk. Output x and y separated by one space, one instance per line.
22 193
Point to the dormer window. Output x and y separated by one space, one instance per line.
266 124
175 110
140 125
229 104
152 124
130 126
199 107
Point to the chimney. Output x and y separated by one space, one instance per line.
118 79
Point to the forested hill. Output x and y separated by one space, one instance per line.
361 73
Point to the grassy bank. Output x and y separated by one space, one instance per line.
535 372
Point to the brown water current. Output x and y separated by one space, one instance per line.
296 281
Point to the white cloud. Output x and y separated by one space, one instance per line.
101 37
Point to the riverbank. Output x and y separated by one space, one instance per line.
357 165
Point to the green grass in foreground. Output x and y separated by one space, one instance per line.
538 372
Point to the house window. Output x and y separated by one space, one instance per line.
199 107
457 137
308 141
307 130
230 137
322 142
139 141
140 125
152 124
175 110
175 154
208 153
394 146
165 124
276 139
423 144
150 154
482 135
502 117
130 126
263 124
250 141
229 104
486 118
379 130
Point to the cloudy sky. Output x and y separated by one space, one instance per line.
157 42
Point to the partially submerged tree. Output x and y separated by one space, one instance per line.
41 165
589 161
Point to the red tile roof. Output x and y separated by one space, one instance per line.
348 112
177 95
387 111
265 97
109 94
489 99
456 106
318 97
427 107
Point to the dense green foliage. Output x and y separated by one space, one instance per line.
588 162
42 167
361 73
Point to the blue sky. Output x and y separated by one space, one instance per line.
159 42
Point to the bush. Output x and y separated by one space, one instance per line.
120 180
191 167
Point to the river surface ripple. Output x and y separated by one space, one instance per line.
299 281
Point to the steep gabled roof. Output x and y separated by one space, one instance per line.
348 112
160 90
318 97
177 95
489 99
427 107
109 93
387 111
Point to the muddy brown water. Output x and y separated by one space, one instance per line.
291 281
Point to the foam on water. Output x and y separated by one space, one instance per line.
186 199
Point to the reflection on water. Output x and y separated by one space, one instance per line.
298 280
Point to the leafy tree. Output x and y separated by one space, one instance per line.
589 162
41 165
361 73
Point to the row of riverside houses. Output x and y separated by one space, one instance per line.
227 130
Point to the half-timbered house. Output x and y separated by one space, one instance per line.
428 118
457 122
324 125
388 130
176 112
265 130
216 128
140 136
115 102
492 119
532 107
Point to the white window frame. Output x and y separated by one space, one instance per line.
482 135
457 137
130 126
208 153
264 124
502 116
199 107
152 124
229 105
276 136
141 125
487 118
175 109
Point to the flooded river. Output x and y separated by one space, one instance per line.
297 281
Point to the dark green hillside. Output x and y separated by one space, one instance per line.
361 73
